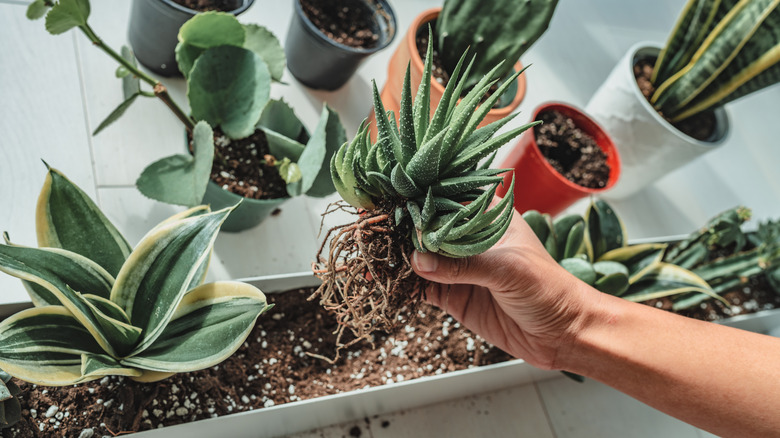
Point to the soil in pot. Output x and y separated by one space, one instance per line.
572 152
348 22
209 5
244 167
271 368
700 126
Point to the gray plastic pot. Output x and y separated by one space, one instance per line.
320 62
250 213
154 28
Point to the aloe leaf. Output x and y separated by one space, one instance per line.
425 165
43 345
416 214
209 325
67 14
403 183
335 136
344 178
422 101
37 9
265 44
156 275
280 118
387 136
228 88
429 208
382 181
445 204
639 259
466 182
405 149
488 104
181 179
605 229
95 366
444 109
471 157
66 218
483 241
460 117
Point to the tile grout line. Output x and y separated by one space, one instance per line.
544 409
85 109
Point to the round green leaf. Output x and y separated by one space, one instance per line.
580 269
212 29
228 88
261 41
66 15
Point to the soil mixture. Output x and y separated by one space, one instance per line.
348 22
271 368
209 5
244 167
699 126
571 151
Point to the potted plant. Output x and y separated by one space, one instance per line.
494 32
251 144
154 26
327 41
565 158
664 107
421 185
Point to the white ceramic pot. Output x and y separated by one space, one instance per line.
648 145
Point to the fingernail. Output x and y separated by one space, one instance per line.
425 262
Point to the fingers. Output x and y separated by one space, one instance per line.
445 270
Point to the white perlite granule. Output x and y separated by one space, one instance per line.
52 411
87 433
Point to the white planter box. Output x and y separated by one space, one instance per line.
648 145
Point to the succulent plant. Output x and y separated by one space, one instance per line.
719 50
595 250
426 171
104 308
495 31
10 407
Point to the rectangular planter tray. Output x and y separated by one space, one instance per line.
324 411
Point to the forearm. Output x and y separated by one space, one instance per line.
720 379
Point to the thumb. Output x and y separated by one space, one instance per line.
447 270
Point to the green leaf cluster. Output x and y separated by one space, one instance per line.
718 51
429 169
10 407
594 248
104 308
494 31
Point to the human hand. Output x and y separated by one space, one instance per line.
514 295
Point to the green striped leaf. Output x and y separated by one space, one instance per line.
387 134
161 268
639 259
422 101
667 280
43 345
405 149
94 366
605 229
209 325
67 218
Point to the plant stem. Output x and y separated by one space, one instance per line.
159 89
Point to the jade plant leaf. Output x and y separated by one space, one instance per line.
228 88
210 323
67 218
181 179
261 41
67 14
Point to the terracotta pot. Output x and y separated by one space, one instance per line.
650 147
406 52
154 29
538 186
320 62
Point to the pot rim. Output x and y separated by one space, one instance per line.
609 147
722 120
389 14
417 62
171 4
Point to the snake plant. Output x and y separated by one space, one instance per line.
104 308
495 31
594 248
426 171
719 50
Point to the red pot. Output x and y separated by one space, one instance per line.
538 186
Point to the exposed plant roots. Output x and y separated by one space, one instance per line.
368 281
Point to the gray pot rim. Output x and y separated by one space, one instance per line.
392 27
722 120
171 4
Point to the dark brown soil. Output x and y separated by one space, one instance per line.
240 166
271 368
348 22
571 151
699 126
210 5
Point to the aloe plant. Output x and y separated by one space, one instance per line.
495 31
229 68
104 308
718 51
425 169
10 407
594 248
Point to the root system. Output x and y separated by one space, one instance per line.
368 281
